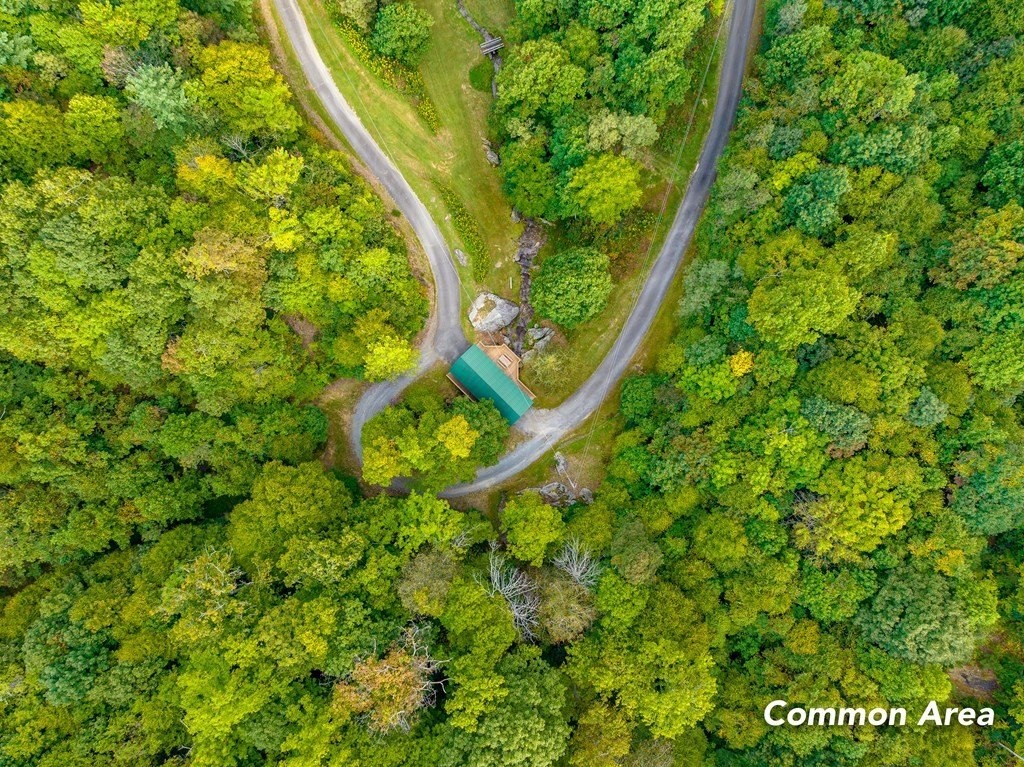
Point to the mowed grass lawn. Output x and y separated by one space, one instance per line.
455 155
493 15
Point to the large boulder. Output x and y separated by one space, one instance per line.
490 313
538 338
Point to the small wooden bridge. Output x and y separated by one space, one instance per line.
491 46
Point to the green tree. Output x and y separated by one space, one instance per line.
601 739
572 286
1003 175
244 92
286 501
531 527
528 180
990 492
527 727
94 124
160 91
360 12
847 426
799 305
538 78
927 618
401 31
63 656
32 136
425 582
928 410
389 357
604 188
656 664
566 608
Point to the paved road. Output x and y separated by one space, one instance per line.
445 338
546 427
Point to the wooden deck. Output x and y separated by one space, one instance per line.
509 362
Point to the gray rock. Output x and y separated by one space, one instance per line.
586 496
539 338
490 313
492 157
536 334
516 216
461 257
528 355
561 463
556 494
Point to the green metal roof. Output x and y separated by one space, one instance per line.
482 378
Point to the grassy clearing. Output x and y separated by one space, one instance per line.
452 158
453 51
671 163
493 15
431 384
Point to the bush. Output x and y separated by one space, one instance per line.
401 32
468 230
482 75
572 286
395 74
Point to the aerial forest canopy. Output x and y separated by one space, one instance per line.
164 226
830 453
816 494
582 96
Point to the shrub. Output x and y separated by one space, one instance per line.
467 229
482 75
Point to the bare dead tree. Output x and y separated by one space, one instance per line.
519 592
425 669
118 65
238 144
578 563
413 639
388 691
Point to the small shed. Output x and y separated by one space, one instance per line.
478 375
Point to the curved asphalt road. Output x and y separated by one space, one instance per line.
445 338
548 426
